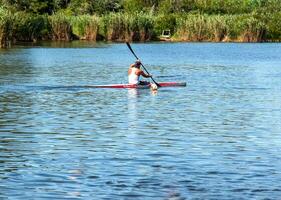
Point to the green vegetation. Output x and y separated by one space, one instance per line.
140 20
6 27
85 27
120 27
61 28
30 27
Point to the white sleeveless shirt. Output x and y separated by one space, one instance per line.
133 78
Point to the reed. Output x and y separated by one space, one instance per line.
31 27
192 27
61 28
85 27
202 27
144 27
122 26
247 28
218 28
6 27
137 27
115 26
274 27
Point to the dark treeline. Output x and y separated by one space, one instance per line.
140 20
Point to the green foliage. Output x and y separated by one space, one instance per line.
274 27
192 28
224 6
244 28
172 6
136 6
33 6
133 6
105 6
85 26
6 27
82 7
31 27
61 27
140 20
120 27
165 22
142 27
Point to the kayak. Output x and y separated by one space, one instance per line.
136 86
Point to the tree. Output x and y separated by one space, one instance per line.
34 6
105 6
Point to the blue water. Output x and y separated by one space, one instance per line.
217 138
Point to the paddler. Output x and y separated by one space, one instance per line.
135 72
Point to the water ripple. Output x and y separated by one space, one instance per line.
218 138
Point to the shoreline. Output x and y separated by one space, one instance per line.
42 42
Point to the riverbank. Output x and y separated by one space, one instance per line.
120 27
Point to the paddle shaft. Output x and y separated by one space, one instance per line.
129 46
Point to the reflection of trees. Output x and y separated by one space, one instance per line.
14 65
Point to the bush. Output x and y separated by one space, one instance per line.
193 27
31 27
202 27
6 27
165 22
61 27
120 27
274 27
85 27
246 28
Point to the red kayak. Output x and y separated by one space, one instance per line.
163 84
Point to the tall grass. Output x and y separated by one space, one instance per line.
6 27
85 27
202 27
115 26
122 26
140 26
61 28
31 27
274 27
193 27
249 29
144 27
218 28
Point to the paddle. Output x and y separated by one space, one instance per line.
129 46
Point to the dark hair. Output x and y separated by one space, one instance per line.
138 63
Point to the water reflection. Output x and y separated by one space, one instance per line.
15 68
62 44
133 95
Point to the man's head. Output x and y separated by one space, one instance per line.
138 63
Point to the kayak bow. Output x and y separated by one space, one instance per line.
136 86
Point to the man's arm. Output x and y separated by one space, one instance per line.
145 75
132 65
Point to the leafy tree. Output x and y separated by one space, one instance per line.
105 6
133 6
34 6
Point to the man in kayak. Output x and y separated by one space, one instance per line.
135 72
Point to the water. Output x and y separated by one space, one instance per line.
218 138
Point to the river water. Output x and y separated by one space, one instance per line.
217 138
